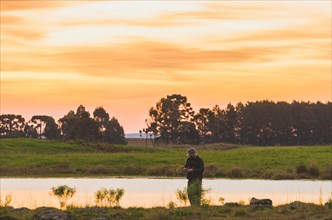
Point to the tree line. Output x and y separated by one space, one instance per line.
77 125
173 121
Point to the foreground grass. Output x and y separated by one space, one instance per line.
289 211
44 158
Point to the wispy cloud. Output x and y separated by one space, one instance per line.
130 59
12 5
211 51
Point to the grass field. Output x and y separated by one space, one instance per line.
283 212
44 158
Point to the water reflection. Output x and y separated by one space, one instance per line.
143 192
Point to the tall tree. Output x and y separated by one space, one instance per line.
79 125
202 120
12 125
114 132
101 117
111 130
168 116
216 124
45 126
230 123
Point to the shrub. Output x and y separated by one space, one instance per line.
236 173
329 202
182 195
63 193
313 169
205 201
211 170
222 200
133 170
328 173
171 205
165 170
99 169
111 196
301 168
8 200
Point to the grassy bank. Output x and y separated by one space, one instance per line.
44 158
290 211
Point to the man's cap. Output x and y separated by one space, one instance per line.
191 151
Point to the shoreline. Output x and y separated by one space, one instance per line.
149 177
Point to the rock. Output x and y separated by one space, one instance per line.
45 213
260 203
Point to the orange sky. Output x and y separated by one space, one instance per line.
126 56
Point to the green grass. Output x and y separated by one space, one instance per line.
44 158
283 212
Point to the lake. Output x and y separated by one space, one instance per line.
151 192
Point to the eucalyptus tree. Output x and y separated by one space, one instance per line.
101 117
45 126
168 116
114 132
79 125
12 125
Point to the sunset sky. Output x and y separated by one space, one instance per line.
127 55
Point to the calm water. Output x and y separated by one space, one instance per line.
145 192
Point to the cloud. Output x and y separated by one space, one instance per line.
19 35
156 60
218 11
124 22
10 20
314 31
13 5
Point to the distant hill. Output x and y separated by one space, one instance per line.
134 135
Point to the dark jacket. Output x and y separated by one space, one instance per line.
197 164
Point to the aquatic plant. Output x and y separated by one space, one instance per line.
182 196
222 200
204 200
63 193
171 205
109 196
8 200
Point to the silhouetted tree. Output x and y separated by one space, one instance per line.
322 125
30 131
79 125
202 120
12 125
216 124
114 132
188 133
168 116
230 123
45 126
101 117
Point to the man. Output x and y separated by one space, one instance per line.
194 169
